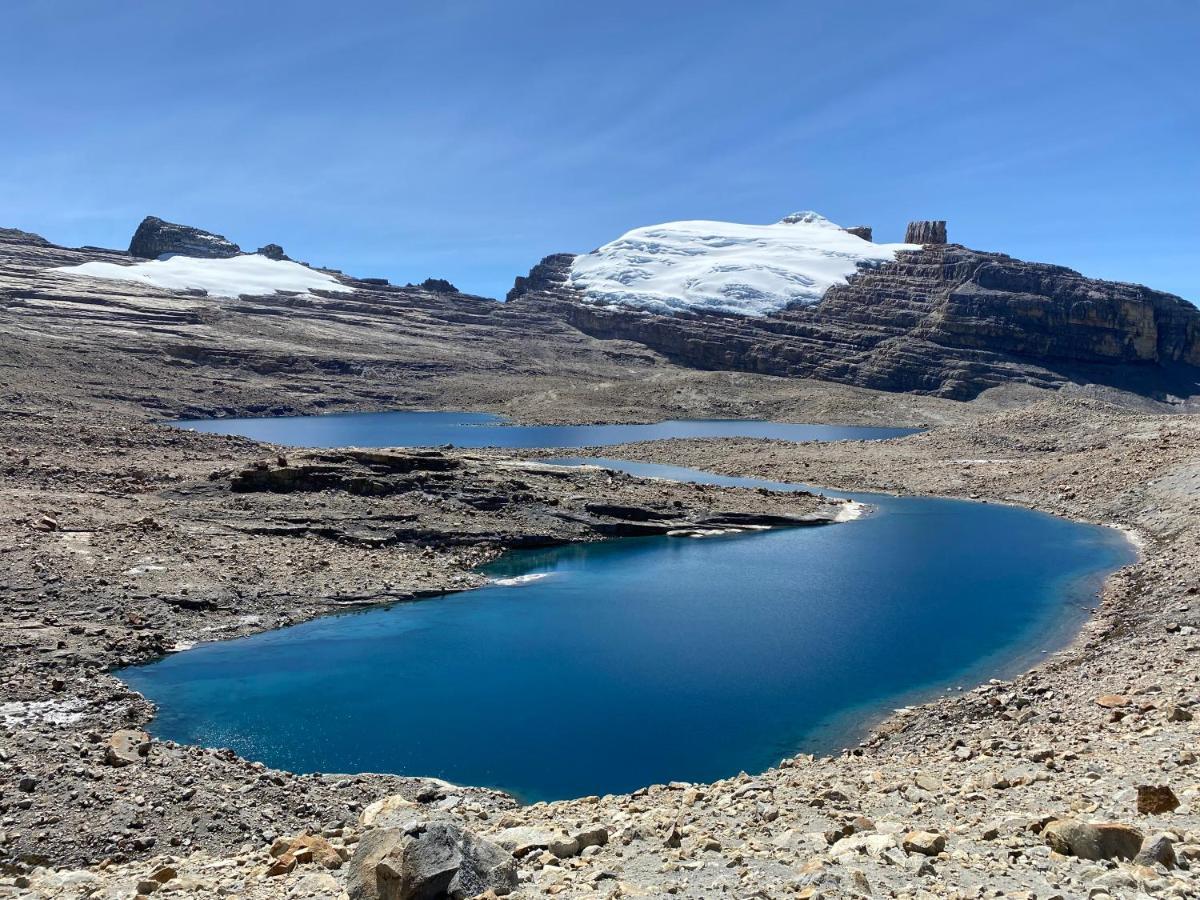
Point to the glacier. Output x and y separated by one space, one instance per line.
725 267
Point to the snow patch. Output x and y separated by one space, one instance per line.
139 570
249 274
724 267
702 532
51 712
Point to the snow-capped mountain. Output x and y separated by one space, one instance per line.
725 267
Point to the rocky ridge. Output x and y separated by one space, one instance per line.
132 347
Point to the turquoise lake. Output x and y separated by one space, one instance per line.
608 666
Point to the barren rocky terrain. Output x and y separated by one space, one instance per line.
124 539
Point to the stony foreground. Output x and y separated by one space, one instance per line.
157 538
1078 779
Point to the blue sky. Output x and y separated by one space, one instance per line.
467 139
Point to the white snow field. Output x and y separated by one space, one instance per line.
249 274
724 267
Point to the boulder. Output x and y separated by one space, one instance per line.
427 861
870 843
525 839
154 237
126 747
1105 840
1112 701
317 849
1155 799
595 836
388 812
1157 849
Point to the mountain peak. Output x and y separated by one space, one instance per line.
805 217
726 267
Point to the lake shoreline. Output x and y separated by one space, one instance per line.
1109 655
193 711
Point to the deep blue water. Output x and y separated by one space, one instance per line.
466 429
651 659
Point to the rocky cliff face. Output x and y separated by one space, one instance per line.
943 320
928 232
154 237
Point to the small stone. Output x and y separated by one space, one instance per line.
1155 799
1175 713
1112 701
928 843
282 866
928 783
674 837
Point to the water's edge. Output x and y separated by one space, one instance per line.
858 721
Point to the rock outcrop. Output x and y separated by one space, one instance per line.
927 232
943 320
548 275
272 251
461 482
437 285
154 237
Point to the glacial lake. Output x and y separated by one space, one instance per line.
604 667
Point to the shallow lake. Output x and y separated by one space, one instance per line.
604 667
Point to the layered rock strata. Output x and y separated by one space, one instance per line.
943 320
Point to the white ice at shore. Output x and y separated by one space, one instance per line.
725 267
850 511
232 277
519 580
